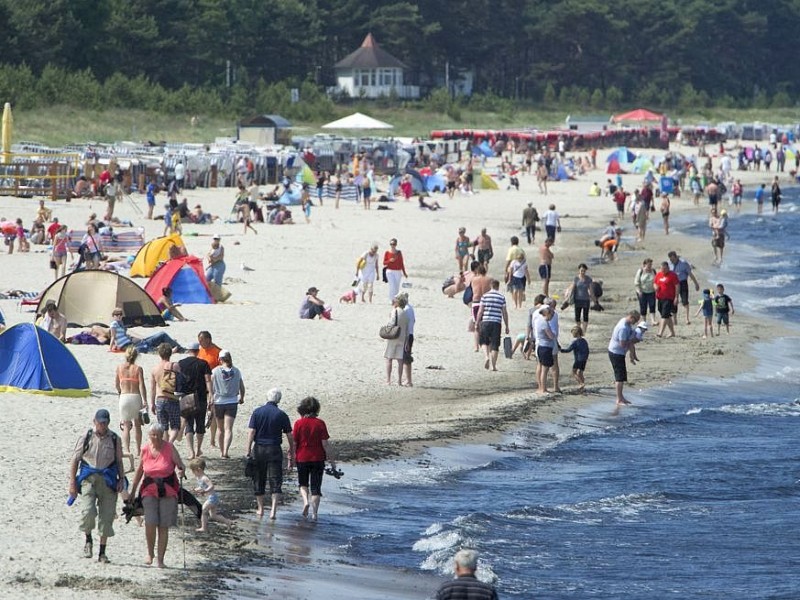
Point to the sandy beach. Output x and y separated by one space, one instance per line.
340 361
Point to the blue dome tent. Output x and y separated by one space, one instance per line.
32 360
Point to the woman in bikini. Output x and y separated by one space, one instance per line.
129 381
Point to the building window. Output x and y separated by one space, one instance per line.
387 77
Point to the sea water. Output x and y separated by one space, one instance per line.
693 493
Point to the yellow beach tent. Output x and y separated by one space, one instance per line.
156 251
487 183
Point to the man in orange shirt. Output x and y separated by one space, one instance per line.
209 352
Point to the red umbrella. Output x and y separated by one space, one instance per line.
640 114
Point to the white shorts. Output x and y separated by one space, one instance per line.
129 406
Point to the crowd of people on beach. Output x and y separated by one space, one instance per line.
207 373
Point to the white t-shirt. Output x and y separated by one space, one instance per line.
518 268
622 333
541 326
180 171
551 218
412 318
554 324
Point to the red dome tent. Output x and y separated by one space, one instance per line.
185 276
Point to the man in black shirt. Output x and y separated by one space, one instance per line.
466 586
197 375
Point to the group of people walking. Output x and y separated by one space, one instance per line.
207 374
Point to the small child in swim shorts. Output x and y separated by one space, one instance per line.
206 489
580 347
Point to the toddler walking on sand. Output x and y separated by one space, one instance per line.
707 308
206 488
581 349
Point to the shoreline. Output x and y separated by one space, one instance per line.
513 411
340 361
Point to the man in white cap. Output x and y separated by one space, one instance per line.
216 261
96 473
267 423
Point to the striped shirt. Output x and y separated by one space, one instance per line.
120 335
493 303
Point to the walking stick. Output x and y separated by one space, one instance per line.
183 520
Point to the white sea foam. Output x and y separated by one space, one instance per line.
433 529
773 302
627 507
775 281
762 409
439 541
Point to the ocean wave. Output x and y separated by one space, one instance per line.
762 409
443 540
773 302
775 281
626 507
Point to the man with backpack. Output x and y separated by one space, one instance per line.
195 378
95 473
164 398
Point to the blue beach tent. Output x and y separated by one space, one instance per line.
34 361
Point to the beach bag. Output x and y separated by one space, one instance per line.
250 467
467 298
188 405
391 331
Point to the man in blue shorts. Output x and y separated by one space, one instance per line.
152 190
546 265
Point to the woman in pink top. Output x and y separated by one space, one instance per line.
60 241
160 487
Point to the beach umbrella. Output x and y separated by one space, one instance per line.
8 122
357 121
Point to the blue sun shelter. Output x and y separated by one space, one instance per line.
34 361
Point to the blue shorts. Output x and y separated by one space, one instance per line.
545 271
545 356
723 318
517 283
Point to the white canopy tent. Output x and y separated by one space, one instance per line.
358 121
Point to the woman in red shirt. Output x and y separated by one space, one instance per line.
393 268
160 487
311 450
